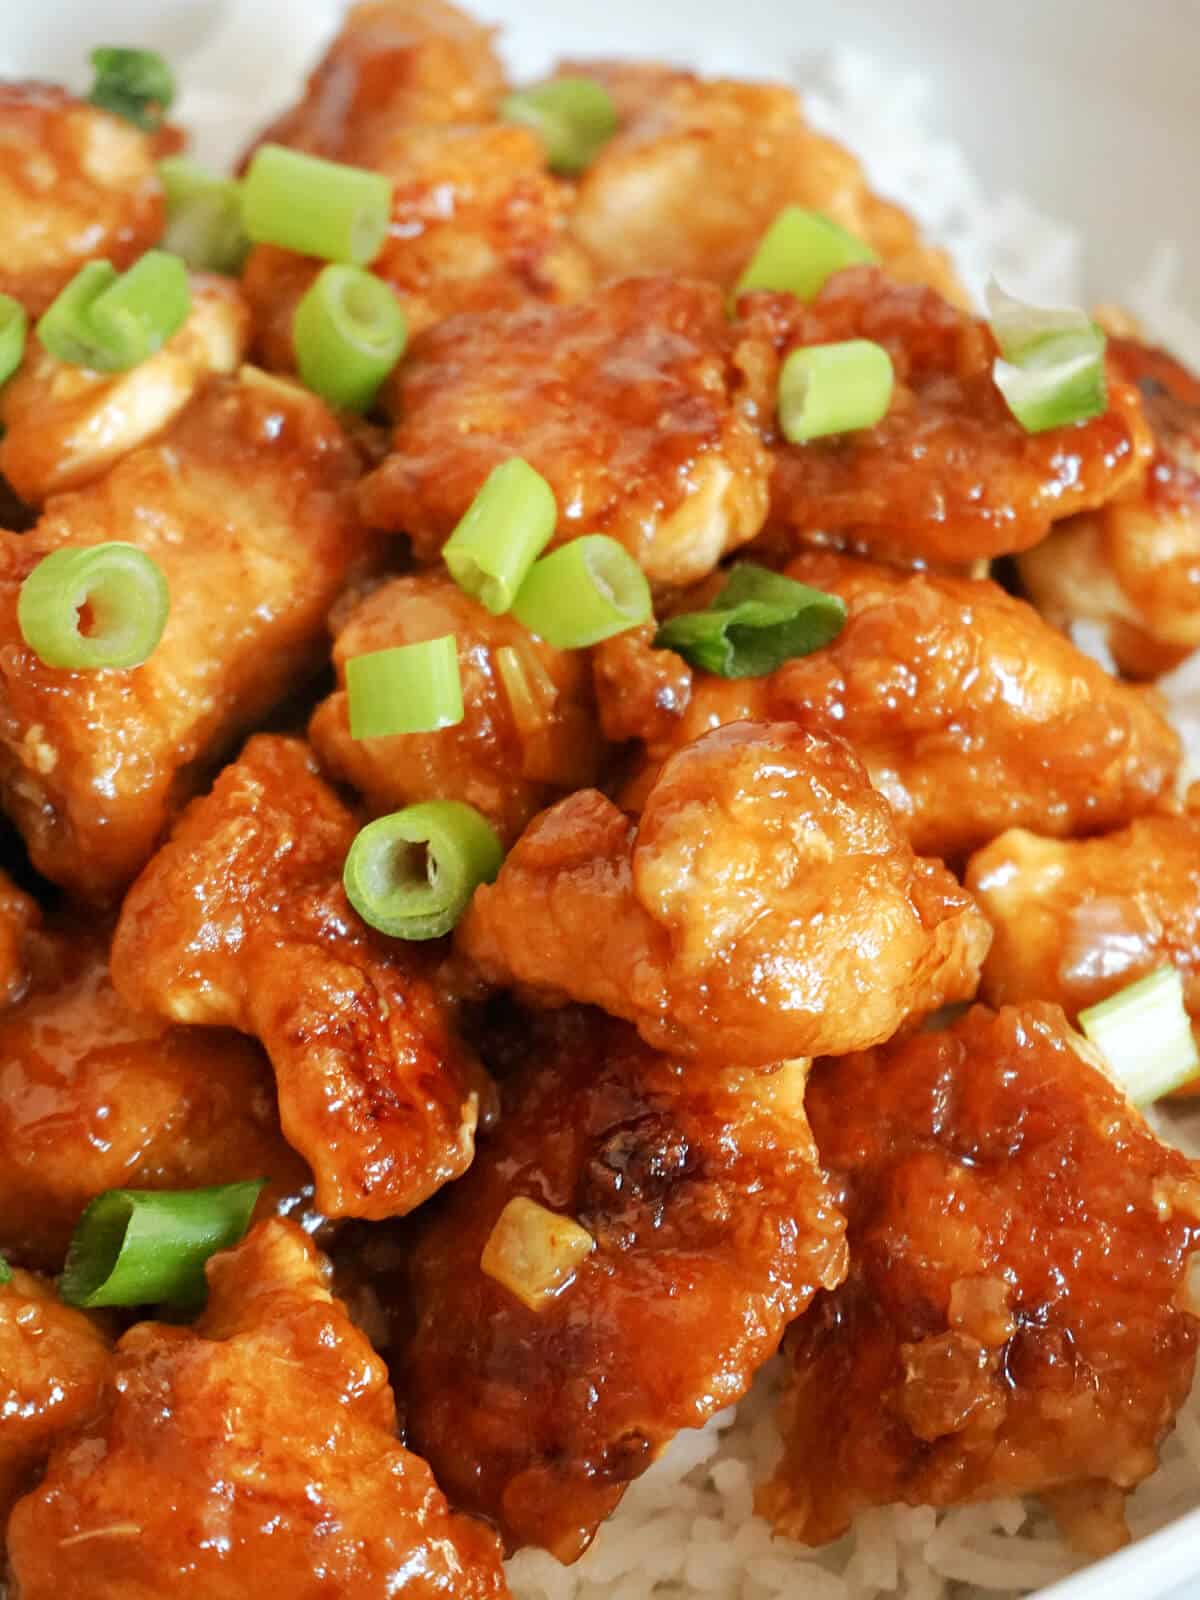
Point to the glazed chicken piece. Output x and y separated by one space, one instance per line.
54 1363
66 425
1134 565
623 403
77 184
95 1097
19 915
257 1447
528 732
712 1227
241 921
764 906
244 504
949 475
700 169
968 711
1014 1320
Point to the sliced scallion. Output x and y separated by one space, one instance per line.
14 327
1145 1034
800 252
586 591
827 389
5 1271
1051 364
349 332
318 208
411 874
125 595
204 216
135 84
1019 327
573 117
759 620
502 532
411 688
111 321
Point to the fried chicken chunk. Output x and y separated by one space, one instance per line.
19 915
623 403
1012 1321
1134 565
969 712
700 169
257 1446
712 1227
244 506
764 906
949 475
54 1363
76 184
94 1096
241 921
528 732
65 425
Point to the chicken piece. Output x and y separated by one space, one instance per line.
1014 1320
395 64
67 425
700 169
54 1363
713 1227
764 906
477 225
245 506
19 915
1134 565
95 1097
622 403
241 921
256 1448
528 732
77 184
969 713
949 475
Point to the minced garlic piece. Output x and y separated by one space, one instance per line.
534 1252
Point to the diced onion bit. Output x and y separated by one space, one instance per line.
573 117
759 620
828 389
111 321
204 216
800 252
318 208
588 590
411 688
502 532
137 1247
135 84
124 593
14 328
411 874
1051 364
529 687
534 1253
1145 1035
349 332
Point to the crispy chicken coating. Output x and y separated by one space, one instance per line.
949 475
244 504
528 732
54 1363
968 711
764 906
1013 1320
1134 564
94 1096
700 169
254 1452
66 425
241 921
76 184
19 915
713 1227
622 403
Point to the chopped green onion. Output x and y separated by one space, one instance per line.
1019 327
759 620
503 531
14 326
204 216
573 117
411 874
349 332
125 594
135 84
834 388
800 252
136 1247
411 688
585 592
5 1271
111 321
1145 1035
319 208
1051 365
